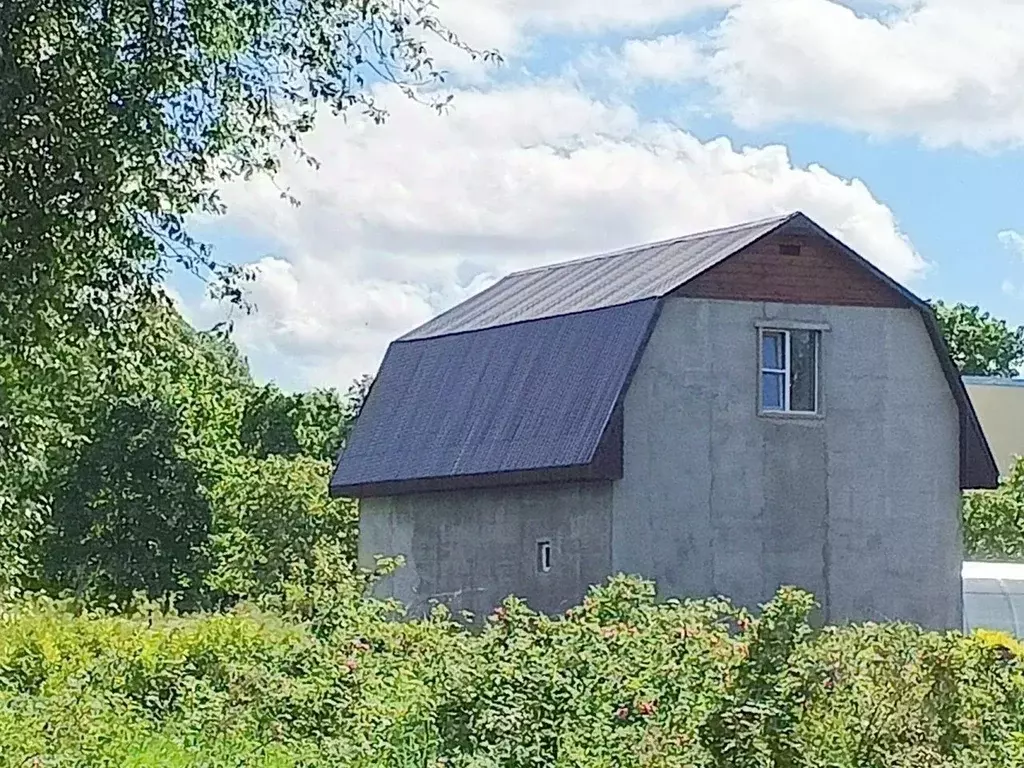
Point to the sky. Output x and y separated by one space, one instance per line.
898 126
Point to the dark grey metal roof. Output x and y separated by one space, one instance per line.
644 272
524 377
532 396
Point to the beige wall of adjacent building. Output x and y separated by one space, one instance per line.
1000 407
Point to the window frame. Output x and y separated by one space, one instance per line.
785 332
544 556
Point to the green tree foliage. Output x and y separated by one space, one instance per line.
272 519
129 510
157 488
994 520
128 513
621 680
117 121
315 423
355 398
276 423
980 344
121 118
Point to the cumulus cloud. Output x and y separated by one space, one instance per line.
660 60
668 58
512 27
509 24
1013 241
947 71
406 219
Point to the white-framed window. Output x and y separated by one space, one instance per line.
543 556
789 370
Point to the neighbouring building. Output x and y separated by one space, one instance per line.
725 412
999 403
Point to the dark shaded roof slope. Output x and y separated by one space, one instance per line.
513 400
520 383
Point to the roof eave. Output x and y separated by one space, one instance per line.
595 471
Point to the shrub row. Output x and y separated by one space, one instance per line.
621 680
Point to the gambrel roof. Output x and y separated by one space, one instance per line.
524 382
613 279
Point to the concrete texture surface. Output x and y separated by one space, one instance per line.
859 505
471 549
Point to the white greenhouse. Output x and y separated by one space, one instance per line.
994 597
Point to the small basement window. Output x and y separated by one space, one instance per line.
789 371
543 556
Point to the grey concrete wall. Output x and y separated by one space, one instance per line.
860 506
471 549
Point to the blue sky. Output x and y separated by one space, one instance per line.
950 202
896 125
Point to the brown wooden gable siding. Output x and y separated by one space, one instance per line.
820 274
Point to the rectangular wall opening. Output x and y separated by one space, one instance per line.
543 556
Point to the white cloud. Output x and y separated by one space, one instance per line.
668 58
1013 241
509 24
665 59
403 220
947 71
1009 288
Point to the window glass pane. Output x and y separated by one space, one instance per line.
804 374
773 350
772 387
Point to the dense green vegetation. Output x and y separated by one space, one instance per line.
119 121
176 587
179 474
980 345
618 681
994 520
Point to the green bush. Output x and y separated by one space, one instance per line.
994 520
271 516
618 681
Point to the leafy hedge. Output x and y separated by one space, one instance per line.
328 679
994 520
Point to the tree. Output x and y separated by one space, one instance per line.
980 344
129 513
315 423
276 423
994 520
271 518
186 476
128 504
117 121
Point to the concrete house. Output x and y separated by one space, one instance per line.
725 413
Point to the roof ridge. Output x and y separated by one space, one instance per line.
657 243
